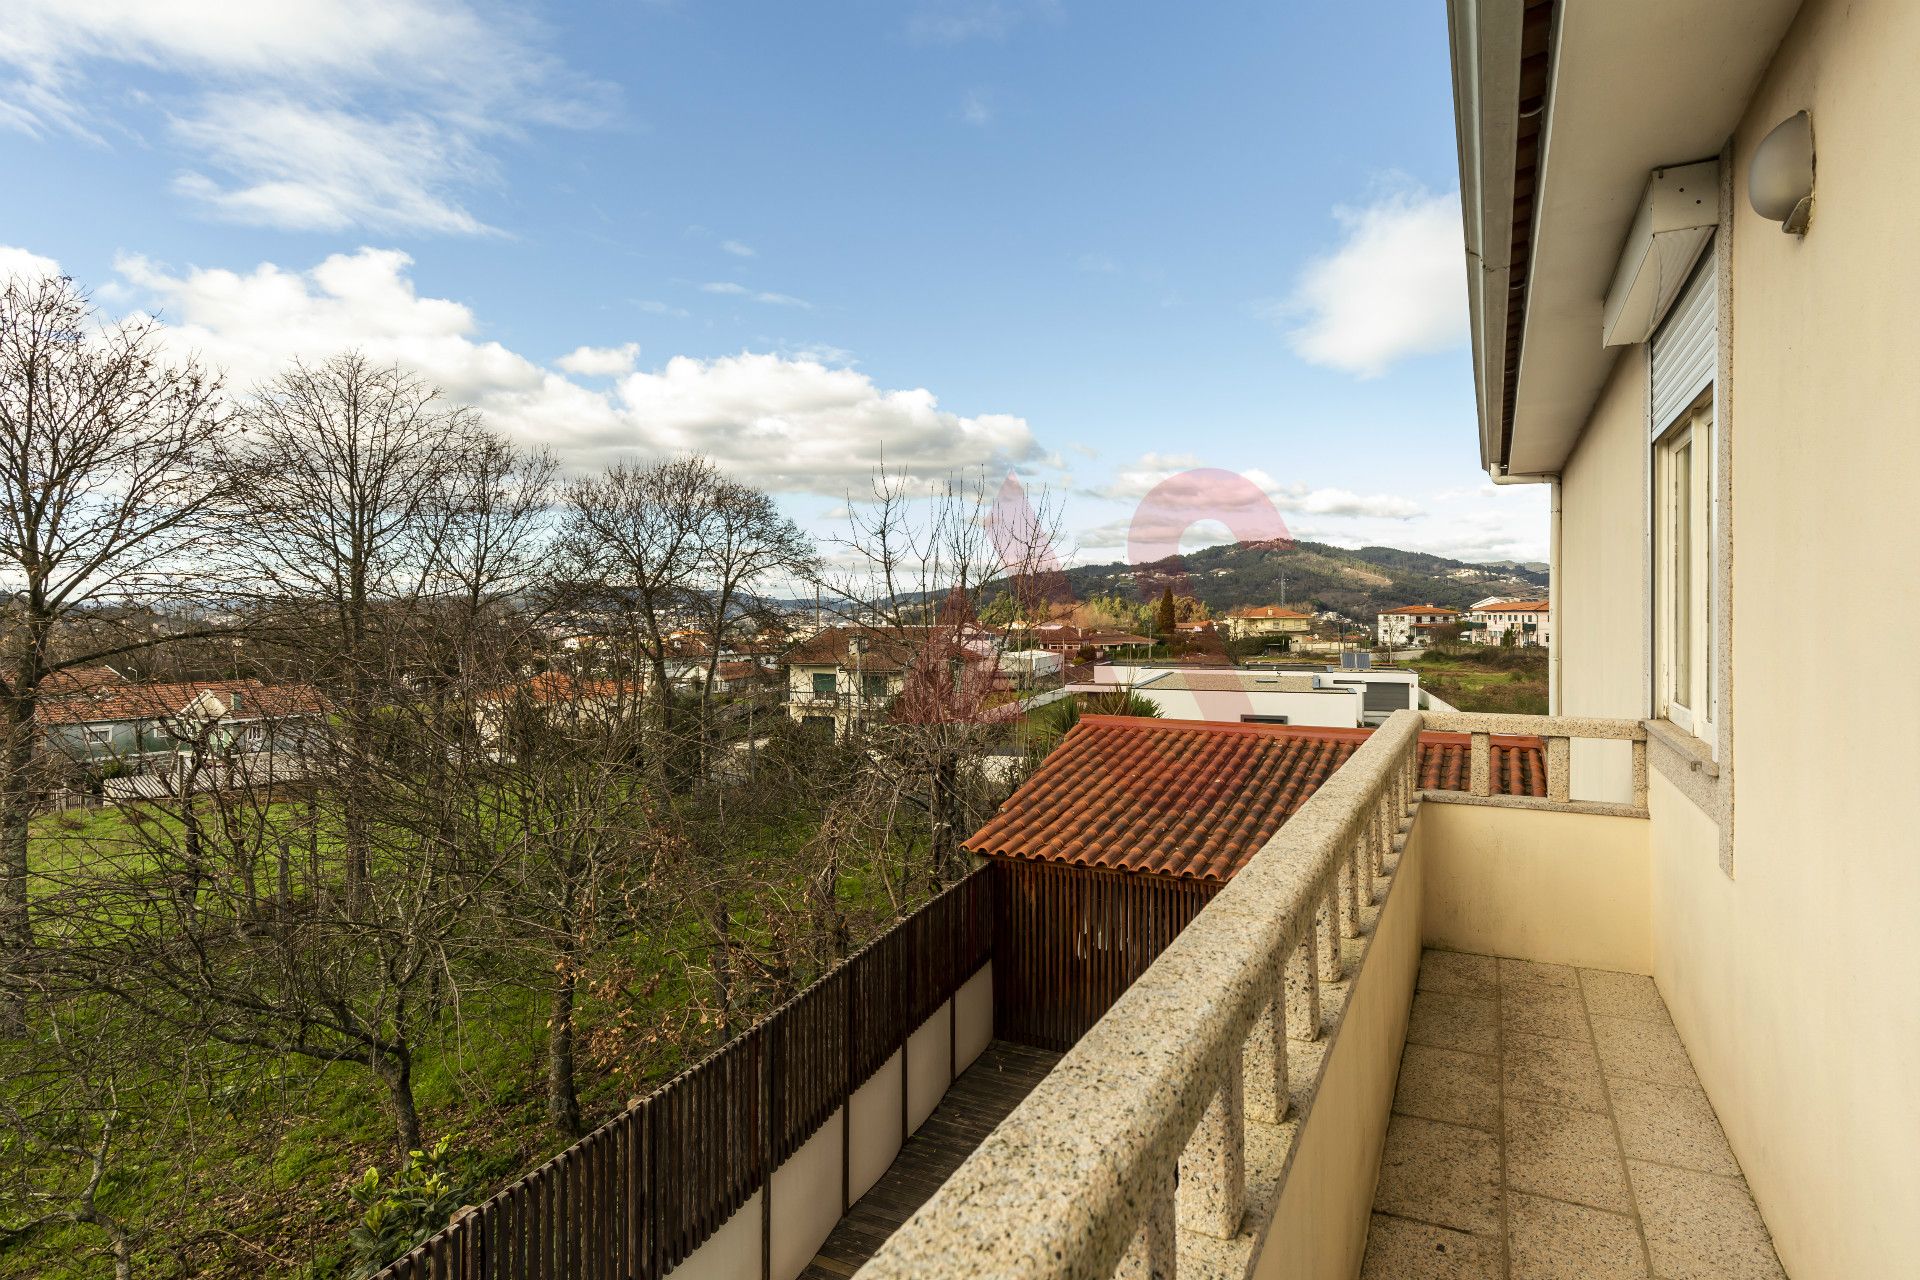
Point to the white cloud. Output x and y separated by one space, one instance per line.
1164 475
975 109
728 288
322 114
790 424
600 362
317 169
25 264
737 249
1395 287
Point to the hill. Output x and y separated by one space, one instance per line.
1357 583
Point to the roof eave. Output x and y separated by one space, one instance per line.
1632 86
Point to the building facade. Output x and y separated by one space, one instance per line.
1267 620
1411 626
1702 349
1521 623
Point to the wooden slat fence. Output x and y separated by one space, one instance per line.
639 1194
1070 940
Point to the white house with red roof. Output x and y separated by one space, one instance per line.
1529 621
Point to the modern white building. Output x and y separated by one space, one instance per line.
1530 622
1411 625
1330 698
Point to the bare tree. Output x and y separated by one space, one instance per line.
580 843
923 560
75 1090
346 497
107 479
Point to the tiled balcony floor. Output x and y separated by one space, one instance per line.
1547 1123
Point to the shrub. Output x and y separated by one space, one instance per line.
399 1213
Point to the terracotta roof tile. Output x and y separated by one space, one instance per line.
117 702
1197 799
1184 798
1519 764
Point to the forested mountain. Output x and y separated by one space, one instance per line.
1358 583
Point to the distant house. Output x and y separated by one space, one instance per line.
1529 621
845 674
1065 638
1412 626
144 726
1267 620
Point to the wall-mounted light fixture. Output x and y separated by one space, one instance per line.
1780 180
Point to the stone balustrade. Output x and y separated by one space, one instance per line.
1559 733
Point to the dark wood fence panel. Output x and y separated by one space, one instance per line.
1069 940
635 1197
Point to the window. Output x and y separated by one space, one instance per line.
873 687
823 684
1683 536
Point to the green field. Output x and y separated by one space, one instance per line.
244 1169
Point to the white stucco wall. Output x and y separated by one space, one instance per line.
1334 708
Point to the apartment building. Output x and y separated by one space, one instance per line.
1411 626
1521 623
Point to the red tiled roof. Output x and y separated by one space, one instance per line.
1268 611
1422 610
79 680
1197 799
1517 606
116 702
1184 798
1519 764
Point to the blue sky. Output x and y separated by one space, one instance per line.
1093 244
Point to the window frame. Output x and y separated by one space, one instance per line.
1684 468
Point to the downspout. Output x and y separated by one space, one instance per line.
1500 475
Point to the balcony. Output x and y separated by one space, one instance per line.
1414 1036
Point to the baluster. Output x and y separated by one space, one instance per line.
1213 1169
1266 1061
1303 988
1150 1256
1480 777
1386 822
1348 890
1326 933
1559 769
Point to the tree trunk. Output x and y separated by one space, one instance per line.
722 954
17 802
395 1069
563 1101
943 802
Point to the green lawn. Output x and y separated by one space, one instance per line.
1505 681
244 1173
